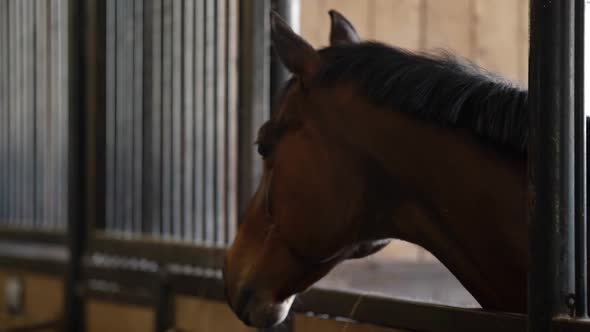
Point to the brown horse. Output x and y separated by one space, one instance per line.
370 143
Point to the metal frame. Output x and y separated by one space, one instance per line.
556 103
558 201
159 250
39 236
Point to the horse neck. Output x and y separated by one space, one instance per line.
467 202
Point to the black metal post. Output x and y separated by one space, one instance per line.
580 132
254 89
289 11
164 318
551 161
77 20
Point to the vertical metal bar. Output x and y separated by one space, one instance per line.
210 115
199 99
232 118
77 19
3 108
167 118
63 122
52 141
120 111
221 123
31 126
163 317
18 113
580 167
156 214
26 94
289 10
254 90
128 126
176 110
148 91
551 146
10 156
188 120
95 106
111 114
41 60
138 160
32 155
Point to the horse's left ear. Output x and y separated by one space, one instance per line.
341 30
296 54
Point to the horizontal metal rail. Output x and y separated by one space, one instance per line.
159 250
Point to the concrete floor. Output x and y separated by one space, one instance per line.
403 271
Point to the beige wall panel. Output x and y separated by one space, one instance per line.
315 21
397 22
114 317
497 38
43 295
523 43
448 25
199 315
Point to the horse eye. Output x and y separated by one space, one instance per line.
263 150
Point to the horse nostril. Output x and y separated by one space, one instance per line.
243 300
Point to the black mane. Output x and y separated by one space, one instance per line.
443 89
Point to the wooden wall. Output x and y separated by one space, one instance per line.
492 33
44 300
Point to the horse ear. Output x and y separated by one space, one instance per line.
296 54
341 30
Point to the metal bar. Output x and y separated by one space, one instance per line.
51 267
18 114
9 107
156 215
27 107
4 95
164 317
111 115
95 130
167 118
138 160
119 107
221 124
11 142
199 99
581 299
188 121
160 250
63 121
31 126
148 91
53 199
121 147
551 147
127 125
232 119
412 315
78 13
254 90
41 235
176 112
289 10
210 116
41 60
